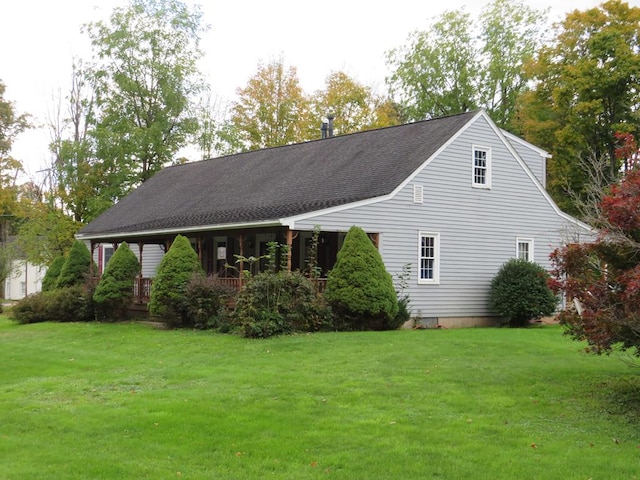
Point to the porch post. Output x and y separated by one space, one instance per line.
140 292
91 272
289 248
241 240
199 244
140 247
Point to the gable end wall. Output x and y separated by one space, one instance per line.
477 227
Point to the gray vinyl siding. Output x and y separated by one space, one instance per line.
533 159
151 256
477 227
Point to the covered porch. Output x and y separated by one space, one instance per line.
232 253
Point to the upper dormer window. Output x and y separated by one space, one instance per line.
481 167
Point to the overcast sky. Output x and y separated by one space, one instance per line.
38 39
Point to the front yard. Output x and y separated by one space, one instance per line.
114 401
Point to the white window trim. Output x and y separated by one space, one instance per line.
418 194
104 256
436 264
487 184
528 240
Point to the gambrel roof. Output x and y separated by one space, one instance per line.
267 185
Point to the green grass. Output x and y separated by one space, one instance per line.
116 401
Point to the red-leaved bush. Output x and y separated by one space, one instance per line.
601 280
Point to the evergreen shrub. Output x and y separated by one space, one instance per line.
114 292
75 269
168 292
519 292
50 278
359 289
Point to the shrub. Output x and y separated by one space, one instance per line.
70 304
168 300
31 309
53 272
114 292
359 289
519 292
275 303
206 299
75 269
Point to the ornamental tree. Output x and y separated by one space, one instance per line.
601 279
359 290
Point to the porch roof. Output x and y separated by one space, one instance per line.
275 183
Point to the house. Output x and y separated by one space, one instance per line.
453 198
24 278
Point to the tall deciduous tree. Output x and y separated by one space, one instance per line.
11 124
79 183
354 106
458 64
145 76
586 90
272 109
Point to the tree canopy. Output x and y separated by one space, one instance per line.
585 91
459 64
272 109
144 77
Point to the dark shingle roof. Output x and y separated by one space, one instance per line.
278 182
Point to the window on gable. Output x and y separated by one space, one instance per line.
418 195
429 258
524 249
481 167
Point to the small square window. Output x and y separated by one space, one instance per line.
524 249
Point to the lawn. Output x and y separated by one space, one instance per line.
116 401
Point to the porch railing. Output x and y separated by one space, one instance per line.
142 287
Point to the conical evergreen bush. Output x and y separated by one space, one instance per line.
75 270
168 300
359 288
114 292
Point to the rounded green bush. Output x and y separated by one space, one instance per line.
114 292
168 300
53 272
519 292
75 269
207 299
274 303
359 289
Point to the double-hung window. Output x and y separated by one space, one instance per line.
524 249
429 257
481 167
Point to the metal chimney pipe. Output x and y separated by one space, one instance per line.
330 128
324 128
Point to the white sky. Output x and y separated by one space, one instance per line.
38 39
